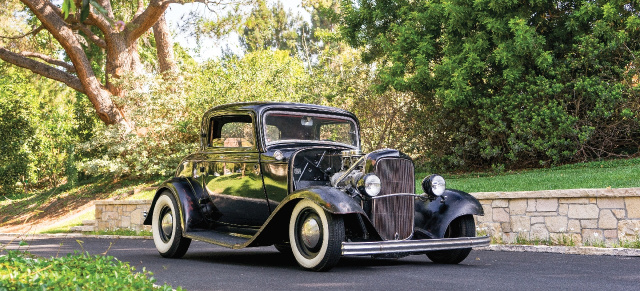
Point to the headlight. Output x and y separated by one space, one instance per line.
434 185
371 184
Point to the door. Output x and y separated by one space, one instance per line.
232 175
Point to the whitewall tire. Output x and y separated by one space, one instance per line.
315 236
166 228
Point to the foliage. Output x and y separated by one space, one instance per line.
340 79
263 75
262 27
167 113
158 144
16 130
509 83
36 127
22 271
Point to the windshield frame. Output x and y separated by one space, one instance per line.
346 118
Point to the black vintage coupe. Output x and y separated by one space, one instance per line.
293 176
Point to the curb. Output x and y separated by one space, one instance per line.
593 251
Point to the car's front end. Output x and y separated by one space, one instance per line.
405 223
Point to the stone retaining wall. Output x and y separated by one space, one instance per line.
121 214
585 216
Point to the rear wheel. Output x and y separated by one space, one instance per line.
166 228
463 226
315 236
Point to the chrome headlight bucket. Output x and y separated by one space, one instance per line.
370 184
434 185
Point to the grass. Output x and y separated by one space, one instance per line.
631 244
49 204
65 228
142 195
602 174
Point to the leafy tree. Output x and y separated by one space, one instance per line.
16 129
37 126
113 26
509 82
260 27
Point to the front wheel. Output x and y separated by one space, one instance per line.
166 228
463 226
316 236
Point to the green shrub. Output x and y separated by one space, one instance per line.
509 83
16 133
79 271
36 129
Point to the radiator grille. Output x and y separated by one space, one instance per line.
393 214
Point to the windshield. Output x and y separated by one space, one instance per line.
292 126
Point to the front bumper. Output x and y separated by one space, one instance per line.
412 246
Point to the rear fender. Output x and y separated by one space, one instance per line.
185 191
435 216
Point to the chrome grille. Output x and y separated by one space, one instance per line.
392 215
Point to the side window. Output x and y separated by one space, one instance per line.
235 131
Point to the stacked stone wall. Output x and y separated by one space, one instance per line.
121 214
581 216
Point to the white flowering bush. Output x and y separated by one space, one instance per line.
164 133
166 113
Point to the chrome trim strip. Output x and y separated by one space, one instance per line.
412 246
395 194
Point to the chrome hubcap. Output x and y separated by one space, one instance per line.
310 233
167 224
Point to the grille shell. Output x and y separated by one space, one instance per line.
393 214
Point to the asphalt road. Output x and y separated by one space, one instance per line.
209 267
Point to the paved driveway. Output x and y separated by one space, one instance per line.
209 267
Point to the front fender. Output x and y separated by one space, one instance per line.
435 216
330 199
185 192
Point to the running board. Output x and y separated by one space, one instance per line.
412 246
222 239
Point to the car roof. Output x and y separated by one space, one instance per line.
261 107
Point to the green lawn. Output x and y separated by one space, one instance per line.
614 174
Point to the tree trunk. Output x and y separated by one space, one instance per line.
164 47
99 97
122 59
120 44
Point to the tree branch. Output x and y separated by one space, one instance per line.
42 69
50 60
100 21
142 22
33 32
92 37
